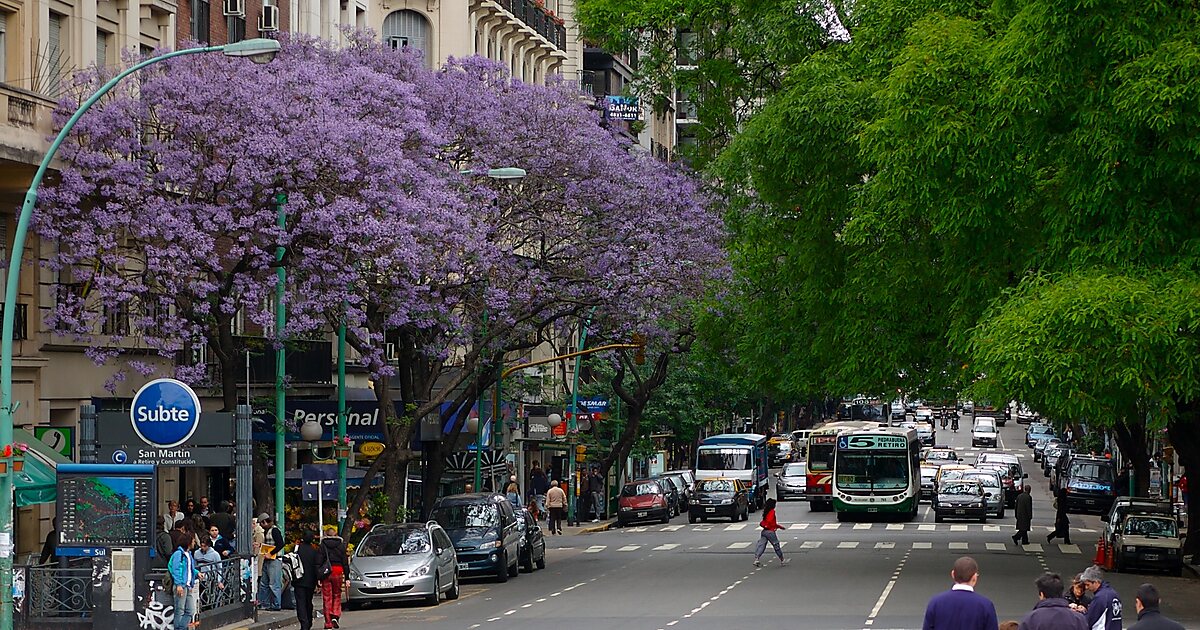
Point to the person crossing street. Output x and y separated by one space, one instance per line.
1024 517
769 526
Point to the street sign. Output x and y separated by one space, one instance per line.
165 412
195 456
371 449
61 439
319 478
210 445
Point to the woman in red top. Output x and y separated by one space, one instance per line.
769 527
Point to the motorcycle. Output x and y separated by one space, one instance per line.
954 425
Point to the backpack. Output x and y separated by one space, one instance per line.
292 567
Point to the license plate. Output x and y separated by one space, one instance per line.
871 509
1091 501
710 509
641 515
1151 556
960 511
463 566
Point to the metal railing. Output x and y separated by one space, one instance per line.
58 593
220 584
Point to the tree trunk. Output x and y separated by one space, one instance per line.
1135 449
231 372
435 465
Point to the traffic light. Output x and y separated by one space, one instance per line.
639 355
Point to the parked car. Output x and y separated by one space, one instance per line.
720 498
680 491
403 561
928 474
1039 447
1148 540
688 478
792 481
1014 480
925 434
1089 484
644 500
960 498
1050 457
533 553
984 432
484 529
1037 431
993 489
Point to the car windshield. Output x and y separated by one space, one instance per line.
793 470
639 489
928 473
950 474
962 488
393 541
872 471
1090 470
989 481
466 515
712 485
723 459
943 455
1149 526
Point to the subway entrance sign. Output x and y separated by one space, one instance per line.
165 413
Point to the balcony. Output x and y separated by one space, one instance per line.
24 125
536 18
304 362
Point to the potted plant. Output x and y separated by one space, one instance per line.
342 446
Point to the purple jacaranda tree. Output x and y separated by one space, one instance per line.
592 226
165 212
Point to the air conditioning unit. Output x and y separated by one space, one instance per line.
269 21
233 8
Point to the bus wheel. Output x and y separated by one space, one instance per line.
842 517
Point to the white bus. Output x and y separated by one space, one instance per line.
877 471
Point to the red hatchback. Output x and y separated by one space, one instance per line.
642 501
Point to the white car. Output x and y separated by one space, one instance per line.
984 433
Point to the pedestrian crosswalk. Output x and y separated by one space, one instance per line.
741 545
851 527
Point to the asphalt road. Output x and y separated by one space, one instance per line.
875 575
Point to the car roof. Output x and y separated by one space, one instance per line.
474 497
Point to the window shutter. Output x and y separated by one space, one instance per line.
3 47
101 48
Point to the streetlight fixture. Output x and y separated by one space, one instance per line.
258 51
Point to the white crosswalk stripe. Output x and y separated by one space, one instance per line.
666 547
637 530
847 544
739 545
798 526
862 525
735 527
922 545
1034 547
595 549
831 525
630 548
895 526
958 546
854 545
810 544
958 528
991 528
925 527
672 528
996 546
885 545
1069 548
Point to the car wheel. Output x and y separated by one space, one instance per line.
515 568
667 517
434 598
1120 562
983 519
1000 514
541 562
937 518
842 517
703 519
452 594
527 562
502 569
1176 572
691 517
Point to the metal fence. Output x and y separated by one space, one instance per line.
57 593
220 584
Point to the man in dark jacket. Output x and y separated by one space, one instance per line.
1051 612
961 608
225 521
1104 613
1024 505
1149 618
305 585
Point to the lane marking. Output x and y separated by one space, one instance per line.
895 526
885 545
847 545
831 525
958 546
1070 548
810 544
996 546
991 528
672 528
630 548
666 547
595 549
735 527
926 527
1034 547
922 545
958 528
798 526
739 545
862 526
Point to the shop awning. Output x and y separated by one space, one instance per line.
37 482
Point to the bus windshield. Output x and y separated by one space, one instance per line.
723 459
820 457
872 471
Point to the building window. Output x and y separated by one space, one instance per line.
199 23
102 39
115 321
3 47
408 29
56 54
236 27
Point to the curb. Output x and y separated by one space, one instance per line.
268 624
603 527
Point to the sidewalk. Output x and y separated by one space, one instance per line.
588 527
267 620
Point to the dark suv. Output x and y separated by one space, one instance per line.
1089 484
486 534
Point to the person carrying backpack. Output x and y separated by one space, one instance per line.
334 550
305 584
183 573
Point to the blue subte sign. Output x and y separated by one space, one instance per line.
165 412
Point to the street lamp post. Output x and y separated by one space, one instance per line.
280 361
258 51
501 174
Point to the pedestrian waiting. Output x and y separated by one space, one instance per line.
1104 613
1149 617
961 608
1052 612
556 502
